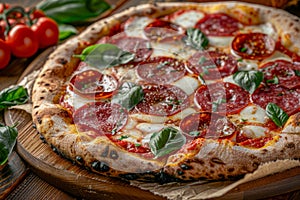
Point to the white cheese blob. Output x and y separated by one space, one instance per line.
134 27
220 41
254 131
187 84
149 128
188 18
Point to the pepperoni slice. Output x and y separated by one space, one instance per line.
218 24
207 125
93 84
286 99
212 65
223 98
161 30
282 72
161 70
256 142
254 46
139 46
162 100
101 117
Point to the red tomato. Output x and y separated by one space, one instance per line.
46 31
22 41
37 14
4 54
4 6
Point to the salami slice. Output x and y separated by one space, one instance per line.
161 30
101 117
212 65
162 100
282 72
139 46
222 98
207 125
161 70
93 84
218 24
254 46
286 99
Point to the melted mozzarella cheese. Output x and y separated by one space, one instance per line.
277 55
148 118
134 27
254 131
246 65
252 113
183 114
220 41
76 101
174 49
188 19
187 84
266 28
149 128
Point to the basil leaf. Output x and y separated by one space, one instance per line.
249 80
66 31
8 137
196 39
297 72
275 113
13 96
129 95
166 141
105 55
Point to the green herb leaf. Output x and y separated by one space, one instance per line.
297 72
274 80
166 141
249 80
123 137
8 137
105 55
13 96
275 113
243 50
194 133
129 95
66 31
73 11
196 39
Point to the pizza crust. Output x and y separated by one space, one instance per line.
217 160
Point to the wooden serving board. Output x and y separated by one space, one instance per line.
73 179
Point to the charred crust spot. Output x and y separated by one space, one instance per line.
34 125
130 176
180 173
231 169
47 84
35 107
217 161
44 140
54 149
252 157
114 155
290 145
264 151
201 162
105 152
296 29
100 166
221 176
42 98
163 177
79 159
185 167
61 61
39 119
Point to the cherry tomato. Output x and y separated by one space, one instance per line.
37 14
22 41
4 54
46 31
4 6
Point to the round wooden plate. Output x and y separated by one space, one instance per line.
73 179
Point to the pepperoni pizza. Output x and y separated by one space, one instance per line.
175 91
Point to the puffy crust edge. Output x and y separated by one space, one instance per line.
54 123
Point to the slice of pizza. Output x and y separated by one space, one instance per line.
175 92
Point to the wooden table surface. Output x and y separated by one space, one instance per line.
19 182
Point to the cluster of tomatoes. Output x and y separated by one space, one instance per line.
23 31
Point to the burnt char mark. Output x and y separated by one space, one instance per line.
217 161
79 160
100 166
130 176
163 177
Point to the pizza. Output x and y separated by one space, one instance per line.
175 92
